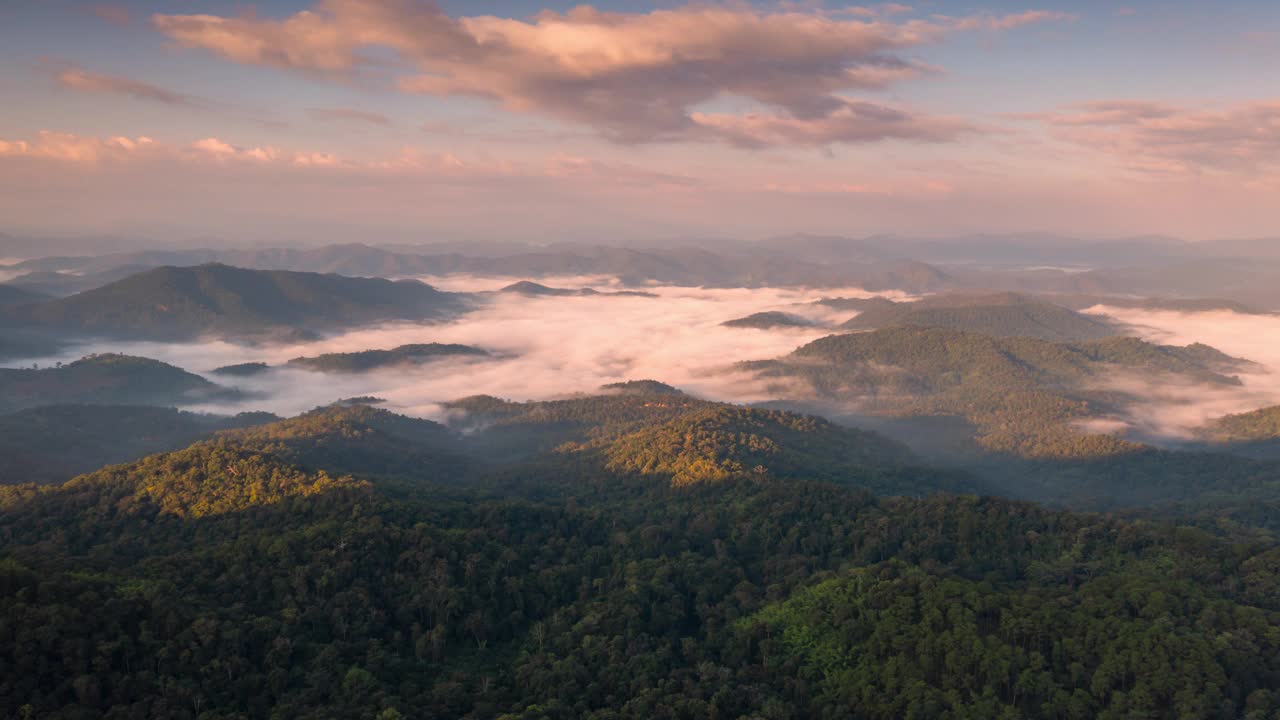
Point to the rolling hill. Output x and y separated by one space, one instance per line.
106 380
55 443
1001 315
533 289
1022 395
1252 434
402 356
274 582
768 320
185 303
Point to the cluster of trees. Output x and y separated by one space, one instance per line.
238 579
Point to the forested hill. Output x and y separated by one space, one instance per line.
1022 395
768 320
56 443
999 314
402 356
241 578
1253 434
183 303
106 379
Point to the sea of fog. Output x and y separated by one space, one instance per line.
1172 408
546 347
549 347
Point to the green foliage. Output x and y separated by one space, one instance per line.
360 439
279 571
1126 641
1262 424
723 442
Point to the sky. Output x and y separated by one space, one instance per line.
407 120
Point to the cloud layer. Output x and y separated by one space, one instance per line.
1162 138
551 347
634 77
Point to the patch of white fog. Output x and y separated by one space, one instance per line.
1173 407
546 347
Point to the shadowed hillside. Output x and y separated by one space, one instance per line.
173 303
106 380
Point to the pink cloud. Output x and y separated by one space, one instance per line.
66 147
1242 139
349 115
634 77
82 80
212 154
854 122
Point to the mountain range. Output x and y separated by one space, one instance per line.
186 303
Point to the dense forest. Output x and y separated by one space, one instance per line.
263 574
637 552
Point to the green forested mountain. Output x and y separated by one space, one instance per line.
404 355
719 443
353 437
105 379
182 303
767 320
1261 424
228 581
1254 434
1022 395
681 440
56 443
1000 315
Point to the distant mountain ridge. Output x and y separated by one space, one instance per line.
998 314
186 303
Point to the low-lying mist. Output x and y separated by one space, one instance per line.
545 347
1173 408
